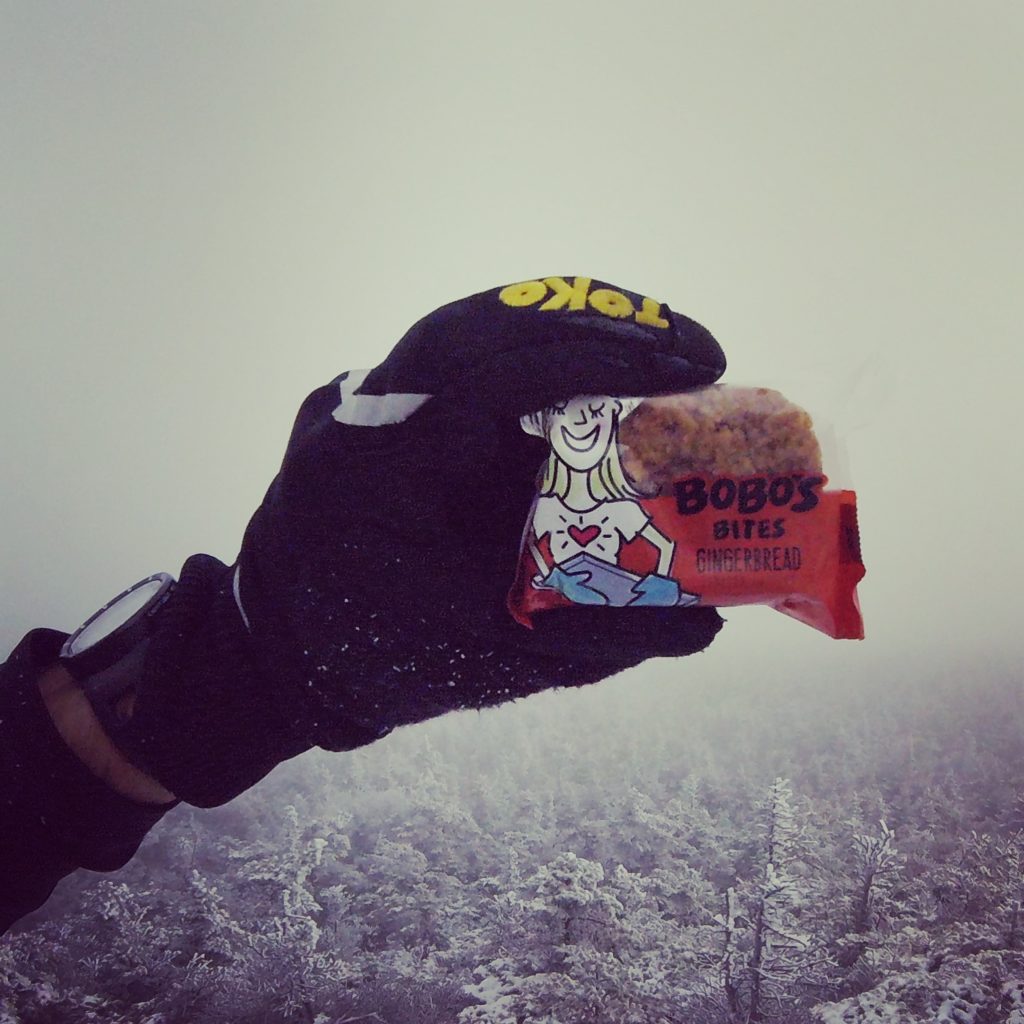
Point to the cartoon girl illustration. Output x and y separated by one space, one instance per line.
588 509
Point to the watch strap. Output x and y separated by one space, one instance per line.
105 689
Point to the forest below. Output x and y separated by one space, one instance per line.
792 851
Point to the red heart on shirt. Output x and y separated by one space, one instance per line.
585 536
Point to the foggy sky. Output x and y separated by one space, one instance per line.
211 209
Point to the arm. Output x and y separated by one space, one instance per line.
67 798
666 547
344 584
542 567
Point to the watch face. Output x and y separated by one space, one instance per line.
114 615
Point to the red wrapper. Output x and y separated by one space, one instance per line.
678 530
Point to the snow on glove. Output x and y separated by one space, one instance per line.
372 580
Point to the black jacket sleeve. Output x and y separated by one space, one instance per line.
55 815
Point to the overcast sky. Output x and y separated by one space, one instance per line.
211 209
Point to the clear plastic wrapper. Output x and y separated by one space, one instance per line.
715 496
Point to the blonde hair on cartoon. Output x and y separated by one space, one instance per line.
607 481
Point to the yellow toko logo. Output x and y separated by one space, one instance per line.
557 293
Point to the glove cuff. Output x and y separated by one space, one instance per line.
207 724
211 717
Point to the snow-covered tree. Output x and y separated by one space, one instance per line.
984 988
298 963
770 958
878 864
577 944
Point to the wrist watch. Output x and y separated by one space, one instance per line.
105 654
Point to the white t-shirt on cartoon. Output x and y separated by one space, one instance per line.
599 531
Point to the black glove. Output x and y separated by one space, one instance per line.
372 579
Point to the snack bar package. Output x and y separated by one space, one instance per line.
715 496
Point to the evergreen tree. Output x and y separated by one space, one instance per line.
770 958
878 866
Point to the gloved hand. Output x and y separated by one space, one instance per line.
370 588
